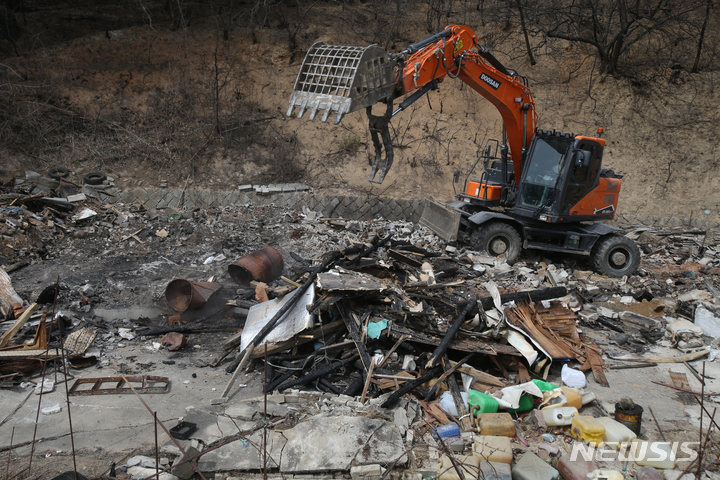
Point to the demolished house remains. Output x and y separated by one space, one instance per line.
247 340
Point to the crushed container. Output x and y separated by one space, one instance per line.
616 434
532 467
493 449
481 402
498 424
557 417
468 464
575 469
587 429
653 454
605 475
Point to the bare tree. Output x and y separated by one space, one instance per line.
624 34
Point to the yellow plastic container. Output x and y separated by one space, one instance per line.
498 424
469 465
587 429
493 449
653 454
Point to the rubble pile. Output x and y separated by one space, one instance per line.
379 349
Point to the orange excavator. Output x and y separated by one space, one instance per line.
538 189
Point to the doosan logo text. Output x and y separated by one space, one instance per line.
490 81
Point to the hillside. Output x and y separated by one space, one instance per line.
142 96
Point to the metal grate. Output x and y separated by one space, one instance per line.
329 70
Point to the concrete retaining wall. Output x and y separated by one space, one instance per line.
334 206
337 206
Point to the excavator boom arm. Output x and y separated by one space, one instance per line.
452 55
337 79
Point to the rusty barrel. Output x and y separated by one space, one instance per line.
181 295
630 417
264 265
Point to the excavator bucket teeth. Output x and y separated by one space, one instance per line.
341 79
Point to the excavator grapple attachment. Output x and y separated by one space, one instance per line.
341 79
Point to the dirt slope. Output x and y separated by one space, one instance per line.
147 102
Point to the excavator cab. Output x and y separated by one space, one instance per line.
562 180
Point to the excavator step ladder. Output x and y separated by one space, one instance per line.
341 79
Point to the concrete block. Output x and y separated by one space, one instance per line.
366 472
326 444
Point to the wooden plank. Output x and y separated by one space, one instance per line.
463 345
481 376
522 317
8 296
233 341
15 354
597 366
436 412
7 336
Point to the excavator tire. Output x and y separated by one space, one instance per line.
616 256
497 239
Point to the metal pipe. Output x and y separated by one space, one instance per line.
157 453
7 467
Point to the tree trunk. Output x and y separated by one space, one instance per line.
525 33
700 40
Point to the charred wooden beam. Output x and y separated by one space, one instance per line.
465 423
195 327
317 373
431 393
355 386
443 346
410 386
531 295
354 330
375 244
464 345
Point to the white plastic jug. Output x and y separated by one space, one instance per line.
555 417
616 434
653 454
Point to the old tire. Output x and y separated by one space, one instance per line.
58 173
616 256
95 178
497 239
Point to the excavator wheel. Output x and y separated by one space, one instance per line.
497 239
616 256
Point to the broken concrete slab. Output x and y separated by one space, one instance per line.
241 411
212 427
245 454
254 410
330 443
